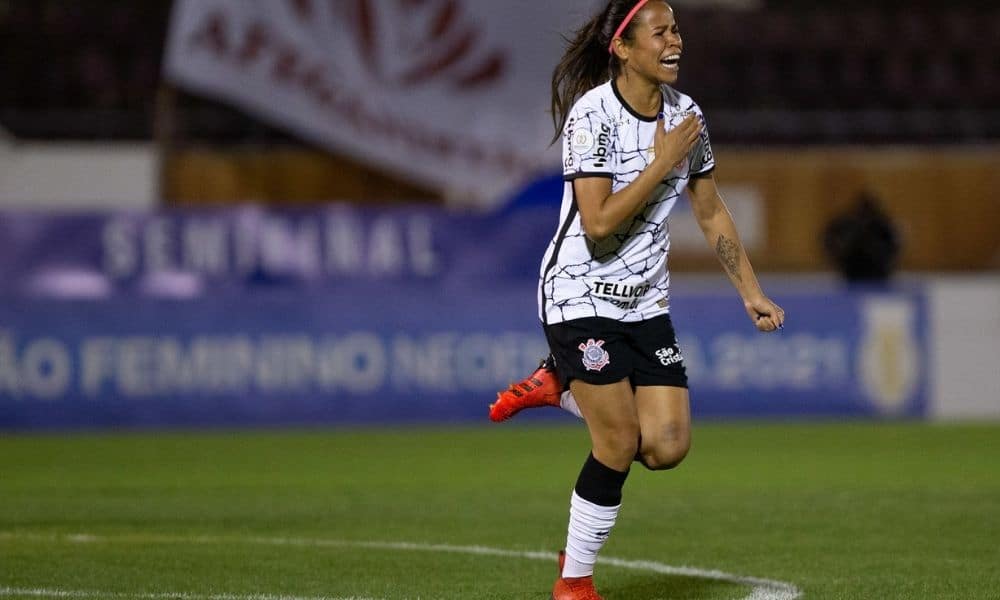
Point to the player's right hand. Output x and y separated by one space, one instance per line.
765 314
673 146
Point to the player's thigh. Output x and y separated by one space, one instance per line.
612 419
665 423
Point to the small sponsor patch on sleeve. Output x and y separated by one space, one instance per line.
582 141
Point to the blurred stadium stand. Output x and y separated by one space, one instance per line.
86 71
852 81
340 312
786 72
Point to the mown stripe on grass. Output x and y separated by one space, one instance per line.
761 589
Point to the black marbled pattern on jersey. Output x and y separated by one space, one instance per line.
602 138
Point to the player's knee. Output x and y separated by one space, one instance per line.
667 452
626 441
663 459
622 442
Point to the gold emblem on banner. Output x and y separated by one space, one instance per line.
888 356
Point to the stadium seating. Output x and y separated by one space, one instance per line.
794 73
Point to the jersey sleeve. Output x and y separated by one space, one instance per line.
702 159
587 143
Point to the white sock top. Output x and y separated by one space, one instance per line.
589 527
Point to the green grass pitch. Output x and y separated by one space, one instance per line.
859 511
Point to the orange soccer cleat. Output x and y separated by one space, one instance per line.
541 388
575 588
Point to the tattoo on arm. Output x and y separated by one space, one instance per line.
729 254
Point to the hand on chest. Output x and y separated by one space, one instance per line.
639 137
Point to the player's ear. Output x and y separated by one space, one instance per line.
620 49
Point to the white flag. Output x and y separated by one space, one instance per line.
452 94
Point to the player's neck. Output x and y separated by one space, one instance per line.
642 95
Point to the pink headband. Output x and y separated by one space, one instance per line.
628 18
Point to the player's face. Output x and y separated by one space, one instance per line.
656 50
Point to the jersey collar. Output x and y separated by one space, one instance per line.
632 111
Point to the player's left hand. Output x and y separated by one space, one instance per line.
765 314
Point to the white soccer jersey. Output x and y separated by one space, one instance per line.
625 276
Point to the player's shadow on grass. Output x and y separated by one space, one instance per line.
647 586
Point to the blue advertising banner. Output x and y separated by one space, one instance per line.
842 353
375 355
147 335
187 254
403 355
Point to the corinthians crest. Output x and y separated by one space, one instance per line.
595 357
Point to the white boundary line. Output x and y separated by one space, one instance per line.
761 589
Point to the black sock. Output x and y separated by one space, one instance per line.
600 484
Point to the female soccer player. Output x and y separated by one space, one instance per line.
631 144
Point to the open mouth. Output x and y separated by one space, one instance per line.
672 61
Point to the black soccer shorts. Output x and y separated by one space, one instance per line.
601 351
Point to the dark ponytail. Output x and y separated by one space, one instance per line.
587 63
